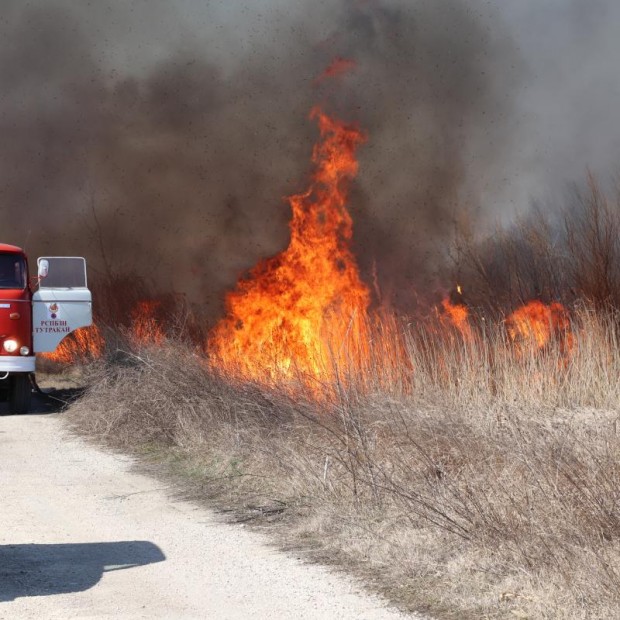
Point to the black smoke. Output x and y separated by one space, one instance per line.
162 141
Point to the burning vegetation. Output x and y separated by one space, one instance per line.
81 346
536 324
305 316
87 344
292 314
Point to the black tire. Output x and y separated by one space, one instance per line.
20 394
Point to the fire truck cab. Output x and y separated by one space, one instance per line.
35 315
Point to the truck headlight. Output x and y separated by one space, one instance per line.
24 351
10 345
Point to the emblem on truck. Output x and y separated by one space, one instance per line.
53 308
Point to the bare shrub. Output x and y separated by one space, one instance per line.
571 253
593 242
513 265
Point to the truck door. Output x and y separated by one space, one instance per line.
62 303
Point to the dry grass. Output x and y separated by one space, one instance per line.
465 477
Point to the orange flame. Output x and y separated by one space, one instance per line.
282 318
338 67
457 315
535 323
145 328
82 345
87 343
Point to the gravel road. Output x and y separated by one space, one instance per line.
82 536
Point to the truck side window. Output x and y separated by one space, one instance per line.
64 272
12 272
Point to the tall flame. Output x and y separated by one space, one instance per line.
293 313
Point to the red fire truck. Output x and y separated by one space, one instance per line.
35 315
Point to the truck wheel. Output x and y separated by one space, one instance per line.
20 395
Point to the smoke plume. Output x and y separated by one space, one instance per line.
161 138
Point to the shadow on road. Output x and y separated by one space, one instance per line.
43 570
53 402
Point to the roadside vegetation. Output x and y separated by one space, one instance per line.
481 482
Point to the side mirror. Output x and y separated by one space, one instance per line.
44 267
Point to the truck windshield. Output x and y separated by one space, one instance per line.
12 271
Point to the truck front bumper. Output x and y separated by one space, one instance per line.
13 363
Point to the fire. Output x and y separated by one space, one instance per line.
88 343
338 67
294 313
536 323
82 345
145 328
457 315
